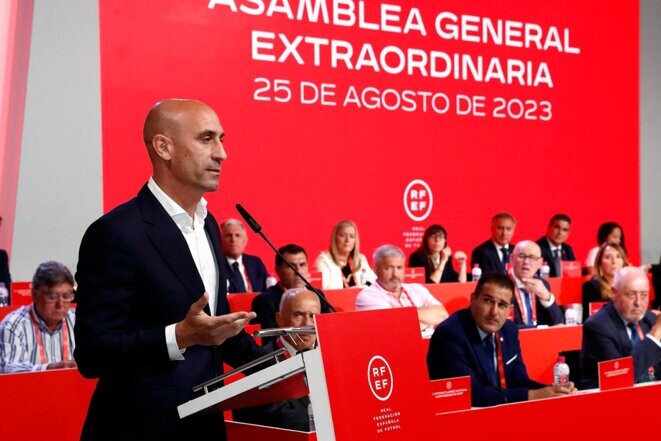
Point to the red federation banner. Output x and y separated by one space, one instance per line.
394 114
375 360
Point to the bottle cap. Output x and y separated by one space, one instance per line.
561 359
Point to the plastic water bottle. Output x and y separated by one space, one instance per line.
561 372
476 273
363 277
545 270
571 316
4 295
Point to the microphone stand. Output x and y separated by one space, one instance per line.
254 226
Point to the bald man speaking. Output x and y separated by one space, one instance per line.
152 318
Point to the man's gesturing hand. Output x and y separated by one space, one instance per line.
199 328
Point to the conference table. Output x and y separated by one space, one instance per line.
39 403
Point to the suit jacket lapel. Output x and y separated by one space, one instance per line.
478 348
496 257
621 330
211 227
170 243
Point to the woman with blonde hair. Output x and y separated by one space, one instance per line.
609 259
343 266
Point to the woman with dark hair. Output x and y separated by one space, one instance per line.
435 256
610 258
610 232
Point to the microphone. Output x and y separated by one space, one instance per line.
252 223
274 332
258 229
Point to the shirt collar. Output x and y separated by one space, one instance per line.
42 324
231 261
553 246
175 211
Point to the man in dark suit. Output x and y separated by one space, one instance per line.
554 246
266 304
533 303
623 328
494 254
482 343
153 320
297 308
246 273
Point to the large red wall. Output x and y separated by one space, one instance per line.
299 167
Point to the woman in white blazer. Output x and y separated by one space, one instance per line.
342 266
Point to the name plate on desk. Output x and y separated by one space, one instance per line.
616 374
571 268
451 394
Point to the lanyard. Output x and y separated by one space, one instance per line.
40 344
247 279
641 337
522 305
501 365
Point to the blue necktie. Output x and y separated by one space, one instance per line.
490 350
506 255
528 306
634 336
236 279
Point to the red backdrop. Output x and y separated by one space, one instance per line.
568 144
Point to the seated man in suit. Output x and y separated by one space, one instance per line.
266 304
298 307
494 254
39 336
554 246
246 273
389 291
533 302
480 342
621 328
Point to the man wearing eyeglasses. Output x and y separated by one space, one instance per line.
533 303
40 336
624 327
480 342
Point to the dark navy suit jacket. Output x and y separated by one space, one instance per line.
605 338
136 276
486 255
545 316
265 305
256 273
456 350
566 253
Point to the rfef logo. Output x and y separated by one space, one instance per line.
418 200
379 377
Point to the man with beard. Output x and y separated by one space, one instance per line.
481 343
389 292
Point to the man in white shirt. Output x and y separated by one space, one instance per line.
554 244
246 273
153 319
389 291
